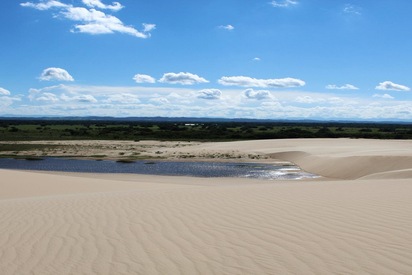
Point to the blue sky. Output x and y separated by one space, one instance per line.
282 59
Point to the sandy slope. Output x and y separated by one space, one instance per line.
83 224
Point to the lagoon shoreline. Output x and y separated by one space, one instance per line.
355 219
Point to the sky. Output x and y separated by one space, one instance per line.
262 59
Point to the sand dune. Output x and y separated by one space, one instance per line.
359 223
332 158
393 174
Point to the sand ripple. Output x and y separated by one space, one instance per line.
293 228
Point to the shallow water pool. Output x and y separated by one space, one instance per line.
172 168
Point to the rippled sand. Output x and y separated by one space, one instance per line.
355 220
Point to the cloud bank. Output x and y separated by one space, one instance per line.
67 100
245 81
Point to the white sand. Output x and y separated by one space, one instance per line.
358 220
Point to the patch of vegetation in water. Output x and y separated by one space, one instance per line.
125 161
33 158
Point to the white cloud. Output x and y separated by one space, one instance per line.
336 100
245 81
182 78
92 15
97 22
124 98
56 74
390 86
115 6
148 27
6 102
209 94
384 96
143 78
93 21
44 5
256 59
227 27
159 100
259 94
84 99
35 93
48 97
63 93
352 9
308 99
283 3
344 87
92 29
4 91
328 100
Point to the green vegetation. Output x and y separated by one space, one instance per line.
26 130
